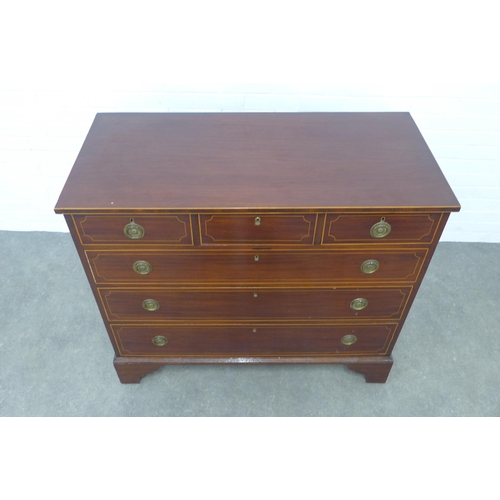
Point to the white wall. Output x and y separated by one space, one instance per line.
62 64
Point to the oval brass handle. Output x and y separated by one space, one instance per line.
142 267
257 221
370 266
133 231
349 339
358 304
159 340
380 229
151 305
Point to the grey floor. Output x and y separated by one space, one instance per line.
56 360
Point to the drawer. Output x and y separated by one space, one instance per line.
253 304
389 228
251 340
257 229
134 229
192 267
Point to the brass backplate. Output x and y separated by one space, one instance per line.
159 340
380 229
142 267
370 266
349 339
134 231
358 304
151 305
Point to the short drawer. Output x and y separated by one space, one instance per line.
255 304
134 229
193 267
253 340
372 228
257 229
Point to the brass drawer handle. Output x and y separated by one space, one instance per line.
358 304
380 229
370 266
349 339
151 305
142 267
159 340
257 221
133 231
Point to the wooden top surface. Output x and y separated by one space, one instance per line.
220 161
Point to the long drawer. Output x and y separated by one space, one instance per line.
257 304
256 267
250 340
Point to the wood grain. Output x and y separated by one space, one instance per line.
171 229
407 228
375 369
241 341
210 161
193 267
232 290
257 304
271 228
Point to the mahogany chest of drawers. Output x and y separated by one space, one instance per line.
255 237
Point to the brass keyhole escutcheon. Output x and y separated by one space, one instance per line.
370 266
380 229
257 221
142 267
255 294
159 340
151 305
256 258
348 339
359 304
133 231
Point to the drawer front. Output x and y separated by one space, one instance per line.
264 267
372 228
257 229
134 229
266 304
253 340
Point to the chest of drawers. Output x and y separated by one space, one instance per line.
255 238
